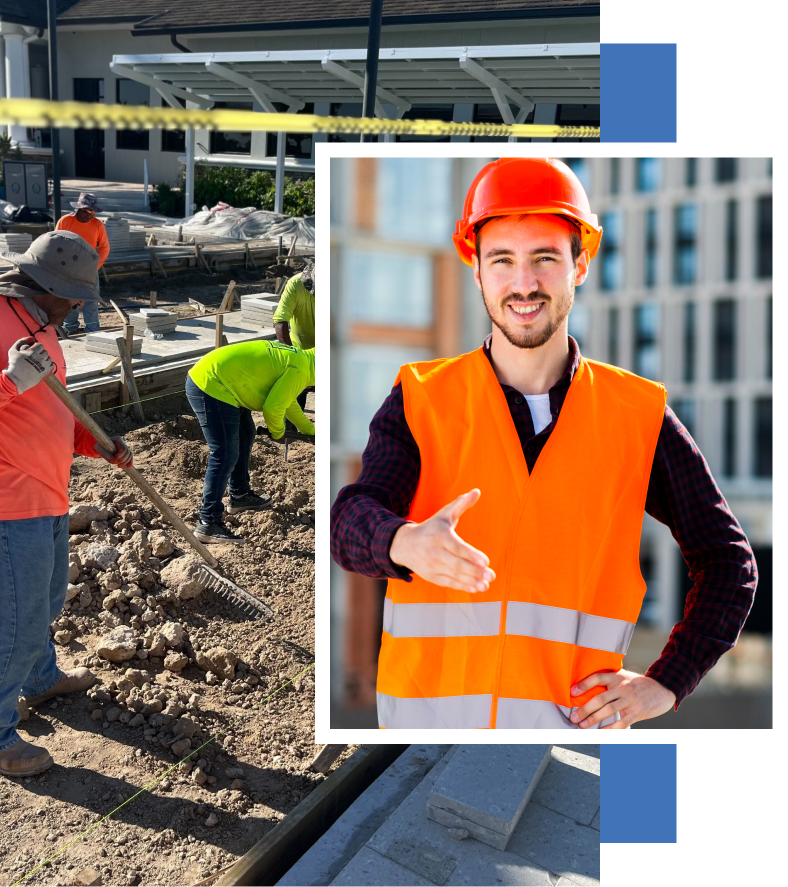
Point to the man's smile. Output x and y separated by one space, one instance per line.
525 312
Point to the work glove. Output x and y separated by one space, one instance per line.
288 437
28 364
122 455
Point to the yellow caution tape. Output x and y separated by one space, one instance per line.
86 115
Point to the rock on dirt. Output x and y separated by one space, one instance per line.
175 661
173 634
218 660
62 637
160 544
118 645
81 516
99 555
88 878
182 577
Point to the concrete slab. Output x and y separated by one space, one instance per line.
489 785
105 343
595 822
451 820
194 337
557 843
476 864
570 786
370 868
328 856
591 750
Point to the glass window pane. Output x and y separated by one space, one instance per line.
724 340
232 142
685 243
578 323
648 174
415 199
367 375
647 358
684 408
764 248
610 249
388 288
763 437
130 92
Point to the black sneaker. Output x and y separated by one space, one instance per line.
248 502
215 532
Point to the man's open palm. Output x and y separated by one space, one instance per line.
434 551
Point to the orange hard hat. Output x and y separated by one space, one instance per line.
515 186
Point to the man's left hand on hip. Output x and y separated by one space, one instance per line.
633 695
122 455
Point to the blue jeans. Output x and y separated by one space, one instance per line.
33 581
89 312
229 432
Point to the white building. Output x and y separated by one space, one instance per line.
562 87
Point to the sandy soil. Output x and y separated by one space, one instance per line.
200 818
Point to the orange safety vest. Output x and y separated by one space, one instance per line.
563 542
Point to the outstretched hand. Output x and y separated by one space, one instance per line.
635 696
434 551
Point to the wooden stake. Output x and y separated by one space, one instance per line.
153 298
121 314
201 258
155 260
111 366
323 760
221 339
229 298
129 393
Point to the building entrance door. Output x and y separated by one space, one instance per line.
89 143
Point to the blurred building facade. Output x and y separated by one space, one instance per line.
680 292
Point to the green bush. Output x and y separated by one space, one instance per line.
239 188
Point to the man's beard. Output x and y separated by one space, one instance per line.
525 338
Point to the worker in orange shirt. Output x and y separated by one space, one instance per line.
83 221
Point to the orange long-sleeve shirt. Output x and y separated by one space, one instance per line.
93 232
38 434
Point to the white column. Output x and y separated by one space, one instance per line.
17 86
545 114
189 201
279 199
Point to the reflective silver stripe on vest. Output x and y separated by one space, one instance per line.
441 620
568 626
522 714
396 712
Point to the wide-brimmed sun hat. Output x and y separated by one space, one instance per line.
63 263
86 201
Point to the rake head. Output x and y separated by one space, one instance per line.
233 593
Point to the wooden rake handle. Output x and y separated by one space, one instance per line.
61 392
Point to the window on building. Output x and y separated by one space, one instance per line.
345 109
685 224
582 169
297 144
647 174
652 256
731 240
415 199
763 437
577 115
610 251
388 288
684 408
612 336
769 165
647 362
729 437
691 172
724 340
578 323
769 334
764 245
615 175
725 169
232 142
173 139
689 342
130 92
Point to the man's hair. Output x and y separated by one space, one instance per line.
575 241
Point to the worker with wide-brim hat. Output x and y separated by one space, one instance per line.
39 437
83 221
223 388
502 494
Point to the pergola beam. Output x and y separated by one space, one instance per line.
502 92
157 84
262 93
342 73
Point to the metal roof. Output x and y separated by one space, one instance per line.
517 75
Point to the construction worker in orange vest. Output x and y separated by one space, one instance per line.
510 531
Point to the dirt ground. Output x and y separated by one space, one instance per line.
209 812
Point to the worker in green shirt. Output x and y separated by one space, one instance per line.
223 388
294 318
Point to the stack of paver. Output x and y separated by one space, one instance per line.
157 320
137 238
259 308
117 233
106 344
485 788
15 243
